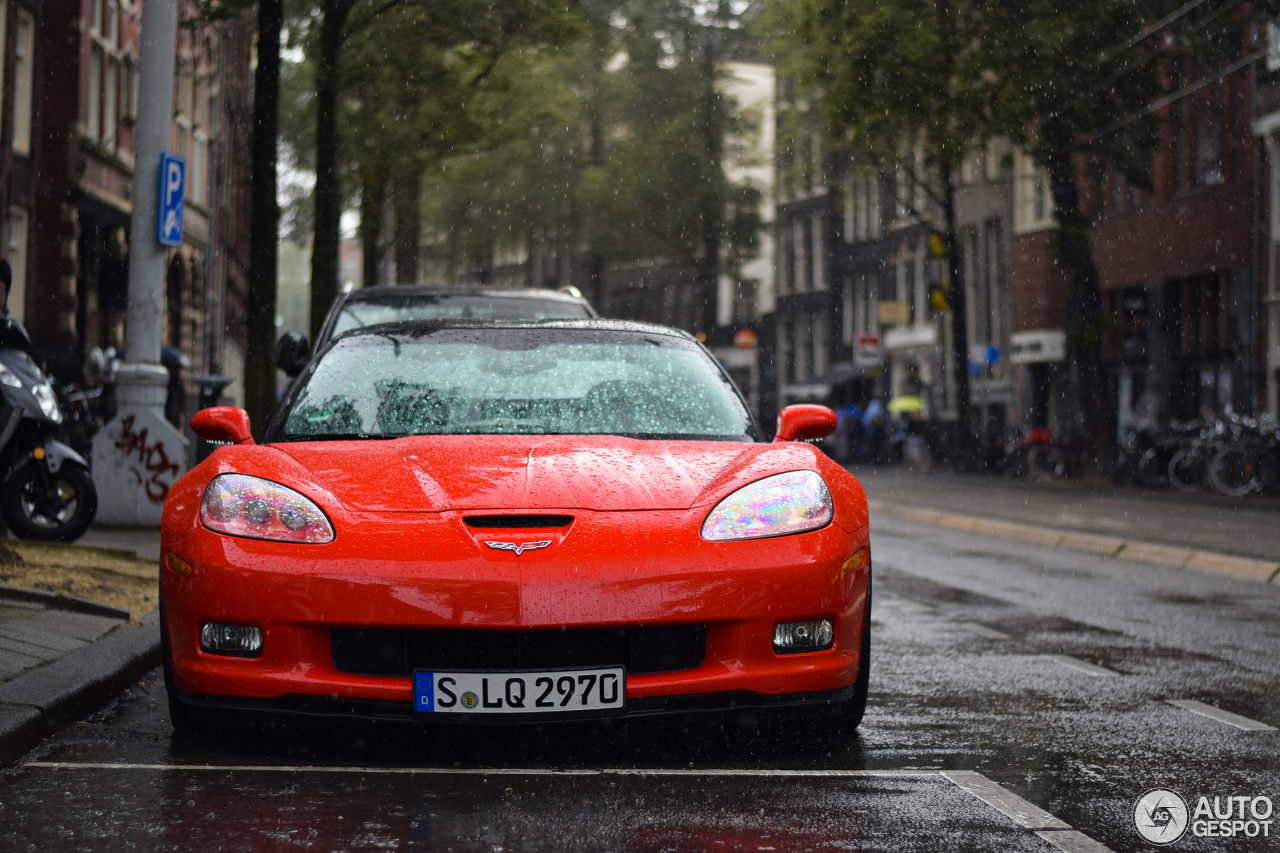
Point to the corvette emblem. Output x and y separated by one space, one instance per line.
519 549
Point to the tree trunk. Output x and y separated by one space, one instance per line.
712 214
373 191
406 197
959 314
328 192
264 219
1083 308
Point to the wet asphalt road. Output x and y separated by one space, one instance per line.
1000 671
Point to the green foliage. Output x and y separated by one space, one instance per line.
882 75
603 144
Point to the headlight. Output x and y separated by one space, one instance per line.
775 506
48 402
239 505
8 377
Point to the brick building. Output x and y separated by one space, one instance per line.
1177 267
77 183
21 67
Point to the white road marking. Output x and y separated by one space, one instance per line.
1071 841
1081 666
483 771
983 631
1220 715
1009 804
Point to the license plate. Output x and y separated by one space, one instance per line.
562 691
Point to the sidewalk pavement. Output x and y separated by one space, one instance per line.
1237 536
78 624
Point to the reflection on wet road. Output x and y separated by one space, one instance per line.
1022 699
256 809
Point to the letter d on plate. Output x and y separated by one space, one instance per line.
424 691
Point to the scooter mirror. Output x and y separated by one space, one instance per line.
292 353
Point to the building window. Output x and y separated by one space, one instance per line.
861 293
869 296
819 270
105 59
818 325
804 237
1033 199
868 196
788 259
862 208
744 302
784 354
22 83
196 177
1208 144
18 262
129 99
848 312
110 91
803 343
909 281
93 122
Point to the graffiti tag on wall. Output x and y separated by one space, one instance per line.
153 458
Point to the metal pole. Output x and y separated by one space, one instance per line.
139 455
154 130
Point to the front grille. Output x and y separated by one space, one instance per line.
379 651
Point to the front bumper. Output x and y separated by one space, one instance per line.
428 571
334 707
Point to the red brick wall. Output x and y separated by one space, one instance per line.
1039 285
1207 231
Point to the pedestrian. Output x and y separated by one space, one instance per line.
873 423
6 282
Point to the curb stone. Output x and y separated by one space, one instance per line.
39 702
62 601
1248 568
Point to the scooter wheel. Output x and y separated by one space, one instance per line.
60 517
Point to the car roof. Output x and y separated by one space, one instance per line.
595 324
402 290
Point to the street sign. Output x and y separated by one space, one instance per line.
892 313
868 352
173 190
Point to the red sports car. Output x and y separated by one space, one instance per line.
515 521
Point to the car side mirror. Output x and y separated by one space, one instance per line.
805 423
222 424
292 353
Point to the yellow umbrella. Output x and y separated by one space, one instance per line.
899 405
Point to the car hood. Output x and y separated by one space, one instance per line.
437 473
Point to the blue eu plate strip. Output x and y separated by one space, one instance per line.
424 691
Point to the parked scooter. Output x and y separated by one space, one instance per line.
46 491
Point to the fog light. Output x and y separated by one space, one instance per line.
789 638
239 641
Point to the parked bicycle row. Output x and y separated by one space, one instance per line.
1230 454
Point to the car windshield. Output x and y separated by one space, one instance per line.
446 306
516 381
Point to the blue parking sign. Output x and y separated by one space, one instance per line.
173 188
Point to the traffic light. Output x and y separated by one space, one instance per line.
940 295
